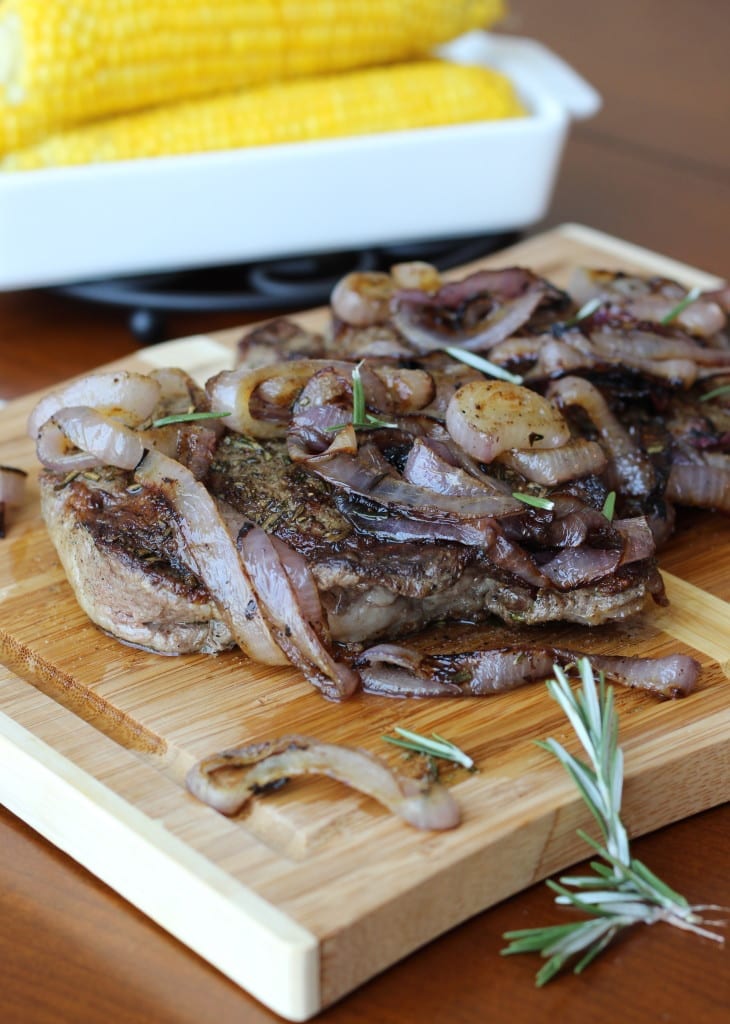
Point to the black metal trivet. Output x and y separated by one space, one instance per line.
272 285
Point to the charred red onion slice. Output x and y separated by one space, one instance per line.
99 440
303 584
232 392
396 389
639 542
227 781
634 344
632 471
510 296
396 672
577 567
12 490
699 485
296 634
673 676
486 418
425 468
362 298
652 299
416 274
553 466
478 533
213 554
129 397
354 476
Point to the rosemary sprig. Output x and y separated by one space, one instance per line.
622 891
692 294
463 355
188 417
361 418
715 393
433 746
609 505
587 309
534 500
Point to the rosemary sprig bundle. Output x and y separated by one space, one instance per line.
621 891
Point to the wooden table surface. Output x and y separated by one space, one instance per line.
653 167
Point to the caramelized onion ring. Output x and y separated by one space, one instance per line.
232 391
213 553
99 440
632 471
362 298
129 397
553 466
700 485
487 418
296 633
227 781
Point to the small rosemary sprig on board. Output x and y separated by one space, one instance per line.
433 746
622 891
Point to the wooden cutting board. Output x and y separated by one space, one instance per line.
316 888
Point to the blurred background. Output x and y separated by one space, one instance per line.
654 165
651 167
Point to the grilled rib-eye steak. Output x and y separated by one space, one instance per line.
376 478
120 546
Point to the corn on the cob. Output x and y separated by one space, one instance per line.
65 63
399 96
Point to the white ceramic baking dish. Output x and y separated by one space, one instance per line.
70 224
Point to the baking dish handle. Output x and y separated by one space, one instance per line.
559 79
521 56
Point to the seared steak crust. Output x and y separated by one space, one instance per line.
119 547
373 588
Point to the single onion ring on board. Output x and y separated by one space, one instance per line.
228 780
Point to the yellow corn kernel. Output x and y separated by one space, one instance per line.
62 64
400 96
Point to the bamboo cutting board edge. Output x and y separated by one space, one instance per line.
248 939
332 959
288 967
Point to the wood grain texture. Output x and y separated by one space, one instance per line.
365 888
